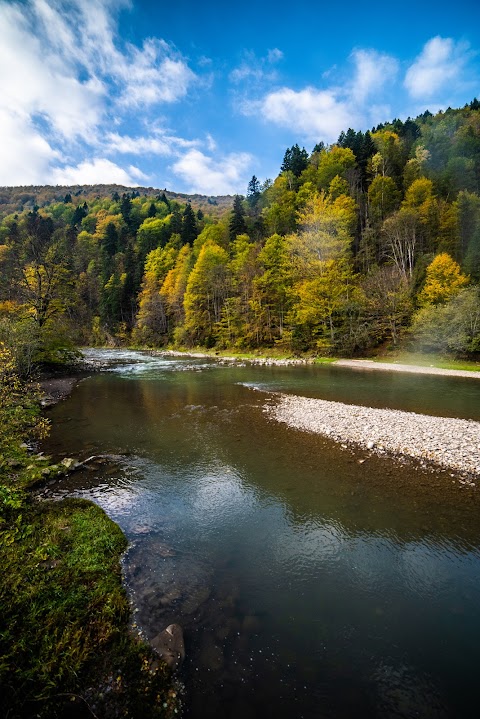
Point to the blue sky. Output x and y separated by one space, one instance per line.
199 97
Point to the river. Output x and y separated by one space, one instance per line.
307 584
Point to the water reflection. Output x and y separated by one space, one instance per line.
308 585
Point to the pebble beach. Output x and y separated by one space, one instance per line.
447 442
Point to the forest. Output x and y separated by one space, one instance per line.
368 244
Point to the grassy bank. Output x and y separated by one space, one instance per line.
428 360
65 643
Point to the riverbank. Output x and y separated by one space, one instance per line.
364 364
66 644
367 364
449 443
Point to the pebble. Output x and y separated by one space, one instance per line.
446 441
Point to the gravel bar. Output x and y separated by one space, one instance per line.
450 443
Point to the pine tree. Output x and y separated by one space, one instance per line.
295 160
237 224
189 229
253 192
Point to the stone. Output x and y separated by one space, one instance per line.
370 444
169 646
70 463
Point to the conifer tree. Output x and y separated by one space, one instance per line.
237 224
189 229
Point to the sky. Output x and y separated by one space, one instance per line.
198 97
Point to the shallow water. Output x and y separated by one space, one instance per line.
307 585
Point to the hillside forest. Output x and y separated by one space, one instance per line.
370 243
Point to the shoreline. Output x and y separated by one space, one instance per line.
364 364
447 443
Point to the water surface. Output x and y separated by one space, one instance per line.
308 585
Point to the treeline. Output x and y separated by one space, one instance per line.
373 240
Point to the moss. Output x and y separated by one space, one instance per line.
65 618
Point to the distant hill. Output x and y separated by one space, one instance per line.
17 199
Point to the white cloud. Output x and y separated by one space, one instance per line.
274 55
97 171
123 144
68 72
313 113
373 71
213 176
256 69
152 75
24 153
440 64
317 113
158 143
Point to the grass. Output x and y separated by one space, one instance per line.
429 360
66 645
65 619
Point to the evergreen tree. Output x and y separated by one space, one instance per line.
253 192
237 224
176 221
295 160
189 229
152 210
126 209
319 147
111 239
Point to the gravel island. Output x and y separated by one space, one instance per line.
450 443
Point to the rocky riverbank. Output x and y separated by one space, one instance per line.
449 443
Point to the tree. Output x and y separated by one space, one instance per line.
319 309
173 288
450 327
295 160
237 224
444 280
383 198
270 299
253 192
325 227
388 303
189 226
400 241
205 294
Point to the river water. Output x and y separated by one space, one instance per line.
307 584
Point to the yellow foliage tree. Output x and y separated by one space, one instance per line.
444 280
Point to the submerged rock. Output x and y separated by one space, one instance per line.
169 646
70 463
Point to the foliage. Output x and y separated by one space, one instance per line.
450 327
443 281
108 264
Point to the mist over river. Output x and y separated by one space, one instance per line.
307 584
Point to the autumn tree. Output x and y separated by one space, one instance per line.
443 280
205 294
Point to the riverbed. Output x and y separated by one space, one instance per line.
308 584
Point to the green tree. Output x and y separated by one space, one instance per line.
205 294
189 226
237 224
295 160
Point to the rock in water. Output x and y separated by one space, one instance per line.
169 645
